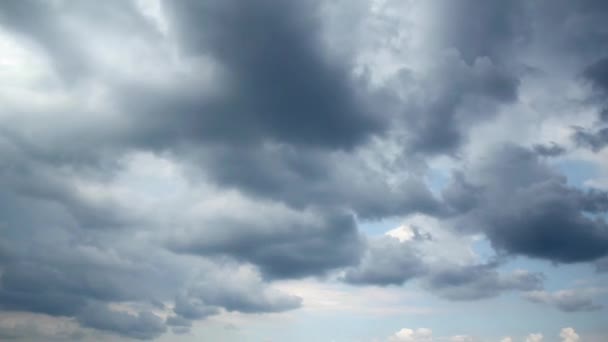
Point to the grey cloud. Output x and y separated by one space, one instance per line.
387 261
524 207
459 96
191 309
180 330
47 24
39 21
296 247
601 265
31 329
302 179
241 291
503 24
280 122
468 85
552 150
237 297
178 321
143 325
597 74
596 140
285 71
57 264
566 300
478 281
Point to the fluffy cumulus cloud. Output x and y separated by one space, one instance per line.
569 335
534 338
169 162
410 335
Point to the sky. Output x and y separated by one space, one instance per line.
314 170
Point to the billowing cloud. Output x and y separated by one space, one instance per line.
165 162
534 338
387 261
525 207
410 335
569 335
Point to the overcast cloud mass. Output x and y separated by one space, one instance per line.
315 170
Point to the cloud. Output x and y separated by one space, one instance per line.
283 243
387 261
39 328
597 74
601 265
448 116
180 169
534 338
552 150
285 72
565 300
143 325
596 140
524 207
474 282
569 335
409 335
242 290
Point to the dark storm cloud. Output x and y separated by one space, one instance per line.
525 207
303 179
457 97
567 301
478 281
387 261
596 138
278 122
281 84
493 33
474 77
597 74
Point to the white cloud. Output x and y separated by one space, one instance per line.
569 335
409 335
402 233
507 339
534 338
462 338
